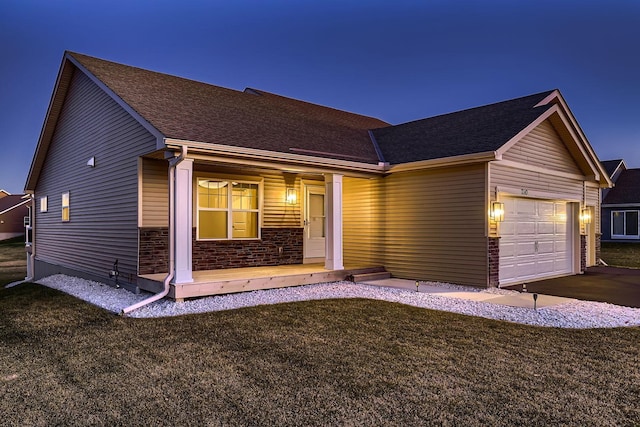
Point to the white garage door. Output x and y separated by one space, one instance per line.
535 240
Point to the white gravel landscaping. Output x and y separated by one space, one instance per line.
574 314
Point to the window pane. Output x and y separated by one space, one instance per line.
212 194
65 206
212 225
618 223
245 225
632 223
245 196
316 215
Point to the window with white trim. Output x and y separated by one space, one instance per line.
44 204
227 209
625 225
65 207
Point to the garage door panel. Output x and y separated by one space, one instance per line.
535 240
560 246
546 248
526 228
545 266
546 208
547 227
524 249
507 250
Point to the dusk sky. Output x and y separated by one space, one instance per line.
394 60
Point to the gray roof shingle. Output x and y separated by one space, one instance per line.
476 130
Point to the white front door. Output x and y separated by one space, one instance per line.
314 222
535 240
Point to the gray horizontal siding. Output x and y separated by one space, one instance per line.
103 222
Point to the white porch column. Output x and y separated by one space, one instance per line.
333 241
183 221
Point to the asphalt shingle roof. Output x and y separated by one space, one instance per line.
195 111
476 130
626 190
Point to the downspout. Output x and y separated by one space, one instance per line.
167 280
30 243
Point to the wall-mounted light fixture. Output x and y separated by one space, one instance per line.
585 216
497 211
92 162
292 196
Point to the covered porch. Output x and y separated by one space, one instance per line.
224 281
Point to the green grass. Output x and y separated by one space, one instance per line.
333 362
621 254
13 261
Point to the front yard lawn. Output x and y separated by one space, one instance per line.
332 362
621 254
13 261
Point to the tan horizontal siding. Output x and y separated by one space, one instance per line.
436 225
543 147
155 193
363 221
593 199
103 222
506 176
277 213
427 225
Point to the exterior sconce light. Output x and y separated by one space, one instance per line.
585 216
292 196
497 211
92 162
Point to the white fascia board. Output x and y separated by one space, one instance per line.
271 157
445 161
584 144
148 126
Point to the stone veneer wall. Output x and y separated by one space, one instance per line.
153 250
219 254
494 261
598 246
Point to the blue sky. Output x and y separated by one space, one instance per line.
395 60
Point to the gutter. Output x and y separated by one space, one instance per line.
273 156
167 280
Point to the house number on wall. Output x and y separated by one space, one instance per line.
524 191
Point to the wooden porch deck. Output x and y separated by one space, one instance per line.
216 282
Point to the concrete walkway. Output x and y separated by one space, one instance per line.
511 299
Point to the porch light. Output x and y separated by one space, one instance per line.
292 196
585 216
497 211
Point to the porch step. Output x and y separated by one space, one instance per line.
370 275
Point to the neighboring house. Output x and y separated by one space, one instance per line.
487 196
13 209
621 204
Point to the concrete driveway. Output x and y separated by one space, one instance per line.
620 286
